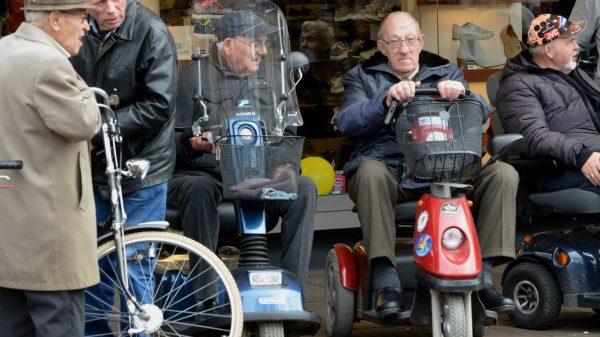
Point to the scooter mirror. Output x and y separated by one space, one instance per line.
137 168
299 62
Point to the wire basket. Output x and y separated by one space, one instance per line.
441 141
260 167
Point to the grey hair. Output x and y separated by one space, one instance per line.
411 15
537 50
35 16
325 31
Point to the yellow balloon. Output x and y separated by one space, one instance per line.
320 171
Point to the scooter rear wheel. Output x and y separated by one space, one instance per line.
339 300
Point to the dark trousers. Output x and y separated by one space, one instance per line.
570 178
198 196
41 313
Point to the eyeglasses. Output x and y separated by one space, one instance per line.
254 44
410 41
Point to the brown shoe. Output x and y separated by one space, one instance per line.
512 44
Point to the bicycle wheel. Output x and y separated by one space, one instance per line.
183 287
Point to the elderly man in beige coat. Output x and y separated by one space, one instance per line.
47 221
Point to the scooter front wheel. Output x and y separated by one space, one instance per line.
454 320
183 288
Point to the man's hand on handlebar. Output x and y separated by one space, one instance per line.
402 91
450 90
203 143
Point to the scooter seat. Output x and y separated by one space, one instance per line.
572 200
405 212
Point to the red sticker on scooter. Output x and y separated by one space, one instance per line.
449 208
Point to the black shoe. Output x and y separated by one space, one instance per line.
494 301
388 302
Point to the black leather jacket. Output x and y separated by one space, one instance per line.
138 63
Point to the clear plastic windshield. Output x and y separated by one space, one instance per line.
246 70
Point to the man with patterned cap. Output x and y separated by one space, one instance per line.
47 232
550 101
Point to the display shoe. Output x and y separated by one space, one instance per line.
492 300
470 50
512 44
470 31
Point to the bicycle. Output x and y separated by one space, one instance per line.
176 300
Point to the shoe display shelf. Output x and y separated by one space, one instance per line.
476 2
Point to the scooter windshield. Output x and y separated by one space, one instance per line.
245 72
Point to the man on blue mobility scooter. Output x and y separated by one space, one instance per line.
377 179
233 77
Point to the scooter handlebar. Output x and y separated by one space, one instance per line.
11 164
394 105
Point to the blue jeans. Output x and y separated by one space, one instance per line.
147 204
570 178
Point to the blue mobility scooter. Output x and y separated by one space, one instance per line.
247 119
554 268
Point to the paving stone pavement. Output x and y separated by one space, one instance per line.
571 322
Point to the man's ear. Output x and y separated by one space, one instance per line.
381 46
53 20
227 46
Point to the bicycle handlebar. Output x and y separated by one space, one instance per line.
11 164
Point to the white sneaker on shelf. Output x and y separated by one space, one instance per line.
470 31
339 51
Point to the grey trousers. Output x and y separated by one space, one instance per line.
197 197
41 313
376 190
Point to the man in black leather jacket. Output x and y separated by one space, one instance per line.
129 52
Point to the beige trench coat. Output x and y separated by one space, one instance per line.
47 115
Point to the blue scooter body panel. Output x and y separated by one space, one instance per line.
581 245
286 297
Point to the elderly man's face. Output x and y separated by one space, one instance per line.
244 54
564 53
401 42
73 25
109 14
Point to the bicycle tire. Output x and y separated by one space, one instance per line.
182 313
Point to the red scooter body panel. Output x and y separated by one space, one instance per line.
346 266
434 216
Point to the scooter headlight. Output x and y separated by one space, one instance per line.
265 278
452 238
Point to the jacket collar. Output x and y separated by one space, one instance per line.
28 31
426 60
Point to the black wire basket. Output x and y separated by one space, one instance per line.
441 140
260 167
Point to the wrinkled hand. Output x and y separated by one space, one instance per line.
591 169
450 90
402 91
202 143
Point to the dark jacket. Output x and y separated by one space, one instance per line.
222 91
138 63
363 108
555 112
